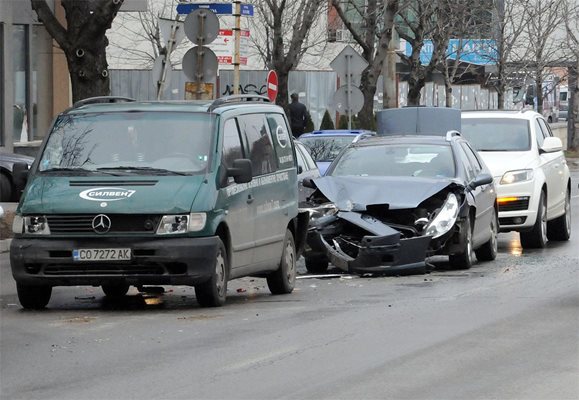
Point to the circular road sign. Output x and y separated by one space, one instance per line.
207 68
272 85
201 26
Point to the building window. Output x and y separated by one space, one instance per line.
19 68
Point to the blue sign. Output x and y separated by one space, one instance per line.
473 51
217 8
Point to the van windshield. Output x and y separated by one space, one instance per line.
131 142
501 134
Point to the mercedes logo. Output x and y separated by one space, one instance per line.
101 223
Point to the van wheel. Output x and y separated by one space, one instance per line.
214 292
33 297
282 280
5 189
560 228
115 290
464 259
489 250
317 265
536 238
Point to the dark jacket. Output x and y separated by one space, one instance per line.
298 114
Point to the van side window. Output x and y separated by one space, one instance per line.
232 149
259 143
281 140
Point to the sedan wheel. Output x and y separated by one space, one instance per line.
489 250
464 259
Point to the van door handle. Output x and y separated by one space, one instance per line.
249 199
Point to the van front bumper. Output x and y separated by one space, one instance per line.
171 261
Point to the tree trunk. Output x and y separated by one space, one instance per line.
368 88
415 85
448 93
282 98
539 93
89 74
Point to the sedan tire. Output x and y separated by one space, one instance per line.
464 259
489 250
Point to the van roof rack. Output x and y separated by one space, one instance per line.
238 98
102 99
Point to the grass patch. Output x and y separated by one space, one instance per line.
572 153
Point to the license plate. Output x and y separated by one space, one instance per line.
101 254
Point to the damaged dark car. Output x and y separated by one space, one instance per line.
388 203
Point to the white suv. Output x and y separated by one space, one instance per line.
530 171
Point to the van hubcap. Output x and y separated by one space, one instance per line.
220 273
290 262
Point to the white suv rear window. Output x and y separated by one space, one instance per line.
489 134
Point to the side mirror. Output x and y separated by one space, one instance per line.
309 183
551 144
480 180
19 176
300 169
241 170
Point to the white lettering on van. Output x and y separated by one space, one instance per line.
257 182
106 194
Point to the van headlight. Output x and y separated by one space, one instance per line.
175 224
30 225
516 176
445 219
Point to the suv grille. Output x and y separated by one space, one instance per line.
517 205
120 223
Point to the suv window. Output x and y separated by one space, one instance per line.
281 140
259 143
546 129
539 133
497 134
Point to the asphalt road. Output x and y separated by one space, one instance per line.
507 329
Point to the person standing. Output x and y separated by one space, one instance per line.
298 116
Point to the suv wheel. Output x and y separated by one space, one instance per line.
33 297
5 188
464 259
317 265
489 250
214 292
536 238
560 228
282 280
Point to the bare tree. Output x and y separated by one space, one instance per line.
371 25
421 21
137 35
543 50
572 30
83 41
282 35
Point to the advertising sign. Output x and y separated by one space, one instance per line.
224 46
473 51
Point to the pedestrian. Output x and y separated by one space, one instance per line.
298 116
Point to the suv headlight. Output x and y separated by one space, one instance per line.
445 218
175 224
322 210
31 225
516 176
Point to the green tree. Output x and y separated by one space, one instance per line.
327 122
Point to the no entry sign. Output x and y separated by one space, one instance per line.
272 85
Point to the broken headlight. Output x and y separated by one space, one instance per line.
445 218
33 225
322 210
174 224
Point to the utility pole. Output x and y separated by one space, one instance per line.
236 58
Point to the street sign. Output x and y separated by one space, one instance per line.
166 27
224 46
217 8
348 106
349 62
201 26
272 83
196 70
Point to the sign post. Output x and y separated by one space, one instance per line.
272 83
349 66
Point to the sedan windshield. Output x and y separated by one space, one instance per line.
433 161
326 148
489 134
135 142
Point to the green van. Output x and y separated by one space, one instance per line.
159 193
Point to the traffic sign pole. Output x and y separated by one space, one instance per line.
236 51
349 89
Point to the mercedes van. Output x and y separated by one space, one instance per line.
159 193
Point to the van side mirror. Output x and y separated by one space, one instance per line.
19 176
480 180
309 183
551 144
241 171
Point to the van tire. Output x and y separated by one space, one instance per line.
214 292
282 280
33 297
536 238
115 290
